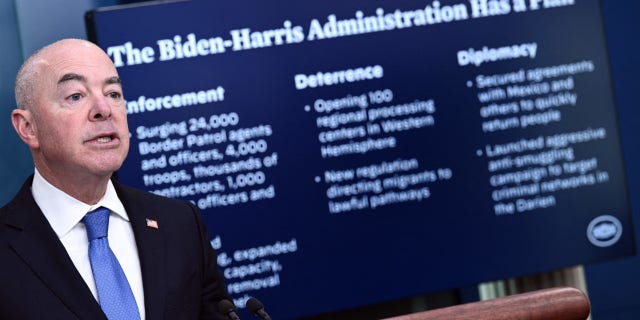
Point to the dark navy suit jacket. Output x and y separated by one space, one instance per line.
179 272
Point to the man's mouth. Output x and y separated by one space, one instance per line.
107 138
104 139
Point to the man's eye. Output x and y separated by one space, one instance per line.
115 95
75 97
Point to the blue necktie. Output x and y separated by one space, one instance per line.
114 293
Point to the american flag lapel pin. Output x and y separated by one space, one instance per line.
152 223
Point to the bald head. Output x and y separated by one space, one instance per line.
30 75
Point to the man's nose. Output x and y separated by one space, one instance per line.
100 108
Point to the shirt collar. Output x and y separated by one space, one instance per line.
63 211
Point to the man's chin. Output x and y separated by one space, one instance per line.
105 169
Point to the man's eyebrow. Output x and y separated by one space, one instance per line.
113 80
72 76
81 78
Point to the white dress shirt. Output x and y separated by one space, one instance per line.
65 213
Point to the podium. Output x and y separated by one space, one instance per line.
562 303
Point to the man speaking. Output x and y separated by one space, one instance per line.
76 244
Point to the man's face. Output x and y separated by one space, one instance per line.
79 117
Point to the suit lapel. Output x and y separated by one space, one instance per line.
38 246
151 251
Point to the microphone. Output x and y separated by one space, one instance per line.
255 306
228 308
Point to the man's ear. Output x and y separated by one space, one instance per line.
25 127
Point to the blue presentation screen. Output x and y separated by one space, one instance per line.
345 153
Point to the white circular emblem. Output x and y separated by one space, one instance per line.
604 231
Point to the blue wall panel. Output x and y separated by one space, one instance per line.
614 287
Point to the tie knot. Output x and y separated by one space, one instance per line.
97 223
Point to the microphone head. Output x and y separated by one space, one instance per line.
225 306
254 305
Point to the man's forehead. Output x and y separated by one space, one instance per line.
66 70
